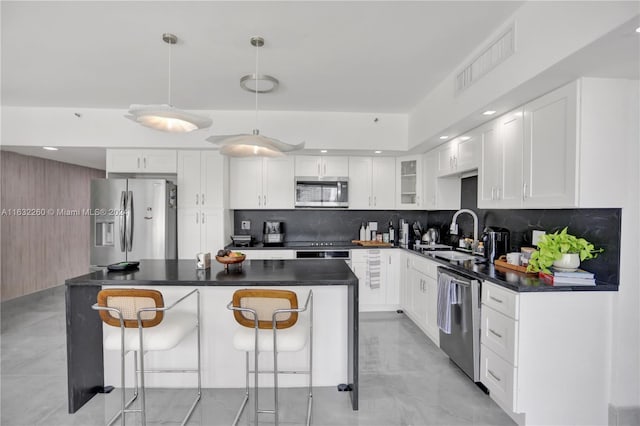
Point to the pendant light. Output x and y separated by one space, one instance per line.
254 144
165 117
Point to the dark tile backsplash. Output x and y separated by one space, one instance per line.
601 227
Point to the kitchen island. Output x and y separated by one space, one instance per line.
335 313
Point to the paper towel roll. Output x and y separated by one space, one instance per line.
203 260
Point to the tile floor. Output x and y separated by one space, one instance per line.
405 380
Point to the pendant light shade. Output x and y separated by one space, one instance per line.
254 144
165 117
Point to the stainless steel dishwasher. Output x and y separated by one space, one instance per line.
463 344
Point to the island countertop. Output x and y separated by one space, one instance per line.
252 272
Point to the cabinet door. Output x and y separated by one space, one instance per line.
467 156
212 234
307 165
446 158
418 298
278 183
245 183
360 183
430 172
431 305
390 271
189 195
188 233
405 284
549 160
408 183
124 160
159 161
335 166
213 180
383 183
511 134
490 171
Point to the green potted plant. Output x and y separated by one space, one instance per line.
562 250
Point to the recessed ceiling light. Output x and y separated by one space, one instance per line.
638 30
489 112
465 138
50 148
324 151
444 137
378 152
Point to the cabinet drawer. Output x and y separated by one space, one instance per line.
269 254
500 334
500 299
425 266
499 377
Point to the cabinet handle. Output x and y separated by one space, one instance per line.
197 215
259 201
196 199
498 335
202 217
495 300
138 162
375 201
144 161
494 375
524 191
417 200
493 190
455 161
325 169
264 201
369 200
202 198
318 168
498 196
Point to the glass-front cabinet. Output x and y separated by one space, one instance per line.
409 182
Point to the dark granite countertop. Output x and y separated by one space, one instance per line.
512 280
253 272
302 245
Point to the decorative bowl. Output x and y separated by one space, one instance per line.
231 260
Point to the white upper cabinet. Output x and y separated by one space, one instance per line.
459 155
201 180
409 182
307 165
372 183
141 161
261 183
440 193
551 152
549 160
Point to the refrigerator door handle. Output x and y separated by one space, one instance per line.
129 224
121 215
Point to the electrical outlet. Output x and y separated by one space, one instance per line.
245 225
535 236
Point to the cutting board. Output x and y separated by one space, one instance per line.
371 243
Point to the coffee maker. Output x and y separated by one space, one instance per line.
273 233
496 242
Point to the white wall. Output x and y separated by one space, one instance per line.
546 33
625 366
37 126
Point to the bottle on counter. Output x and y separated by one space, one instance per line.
367 233
392 233
362 232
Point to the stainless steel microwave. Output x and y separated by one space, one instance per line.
322 192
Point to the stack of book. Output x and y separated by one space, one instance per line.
569 278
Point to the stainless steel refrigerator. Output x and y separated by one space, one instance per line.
132 219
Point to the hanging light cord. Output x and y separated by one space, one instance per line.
257 80
170 60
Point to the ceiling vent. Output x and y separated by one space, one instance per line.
497 52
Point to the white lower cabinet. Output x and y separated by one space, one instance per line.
276 254
419 292
378 286
542 354
202 231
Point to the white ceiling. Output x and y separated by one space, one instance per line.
329 56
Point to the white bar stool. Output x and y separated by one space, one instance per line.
272 322
139 314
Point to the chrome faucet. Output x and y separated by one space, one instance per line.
454 226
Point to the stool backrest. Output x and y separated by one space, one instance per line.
129 301
265 302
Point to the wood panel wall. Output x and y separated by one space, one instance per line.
39 252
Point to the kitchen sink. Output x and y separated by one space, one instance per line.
453 255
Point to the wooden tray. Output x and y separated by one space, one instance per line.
502 262
371 243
